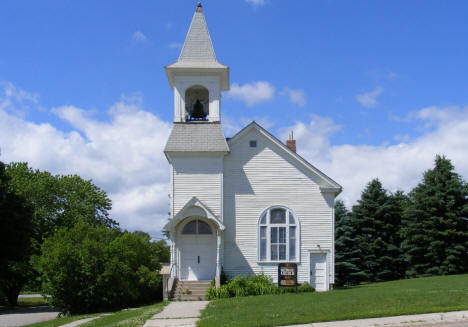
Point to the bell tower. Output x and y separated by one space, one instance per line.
197 78
195 151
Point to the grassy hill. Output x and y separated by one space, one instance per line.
410 296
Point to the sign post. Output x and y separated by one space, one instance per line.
287 275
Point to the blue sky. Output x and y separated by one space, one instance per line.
370 88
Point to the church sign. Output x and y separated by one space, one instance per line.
287 274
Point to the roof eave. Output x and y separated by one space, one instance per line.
172 153
222 72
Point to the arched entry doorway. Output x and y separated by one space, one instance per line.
197 246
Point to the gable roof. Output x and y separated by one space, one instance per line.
196 137
330 186
181 215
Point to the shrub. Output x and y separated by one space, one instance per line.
305 287
245 285
90 269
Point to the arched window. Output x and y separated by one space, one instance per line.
196 227
278 236
197 103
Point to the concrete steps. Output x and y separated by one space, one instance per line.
186 290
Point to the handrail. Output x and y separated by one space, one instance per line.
167 282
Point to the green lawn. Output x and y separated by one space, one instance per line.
128 318
421 295
125 318
60 321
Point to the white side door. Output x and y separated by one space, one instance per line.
318 271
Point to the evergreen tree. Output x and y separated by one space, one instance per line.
376 221
392 262
436 224
346 251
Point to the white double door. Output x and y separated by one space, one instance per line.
318 271
197 257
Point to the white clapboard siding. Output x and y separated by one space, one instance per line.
198 176
257 178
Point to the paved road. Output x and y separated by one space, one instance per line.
25 296
25 316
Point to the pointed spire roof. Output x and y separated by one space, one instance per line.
197 46
197 53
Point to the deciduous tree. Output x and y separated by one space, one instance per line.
89 269
15 238
56 201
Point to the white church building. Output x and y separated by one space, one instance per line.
245 203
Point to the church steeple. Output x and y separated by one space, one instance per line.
197 46
197 78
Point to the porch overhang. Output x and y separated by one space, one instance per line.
194 207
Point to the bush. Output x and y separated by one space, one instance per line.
245 285
305 287
90 269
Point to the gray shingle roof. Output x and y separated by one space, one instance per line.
195 137
197 46
197 54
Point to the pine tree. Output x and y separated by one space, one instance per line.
376 221
436 224
392 263
346 252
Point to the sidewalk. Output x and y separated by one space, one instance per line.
453 319
178 314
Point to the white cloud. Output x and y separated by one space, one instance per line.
256 3
15 100
252 93
123 156
139 36
313 137
399 166
295 96
232 125
369 99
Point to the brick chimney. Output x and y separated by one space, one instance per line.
291 142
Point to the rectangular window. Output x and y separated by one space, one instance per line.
263 243
282 251
282 234
274 252
274 235
253 143
278 243
292 243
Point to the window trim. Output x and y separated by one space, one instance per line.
268 235
196 220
